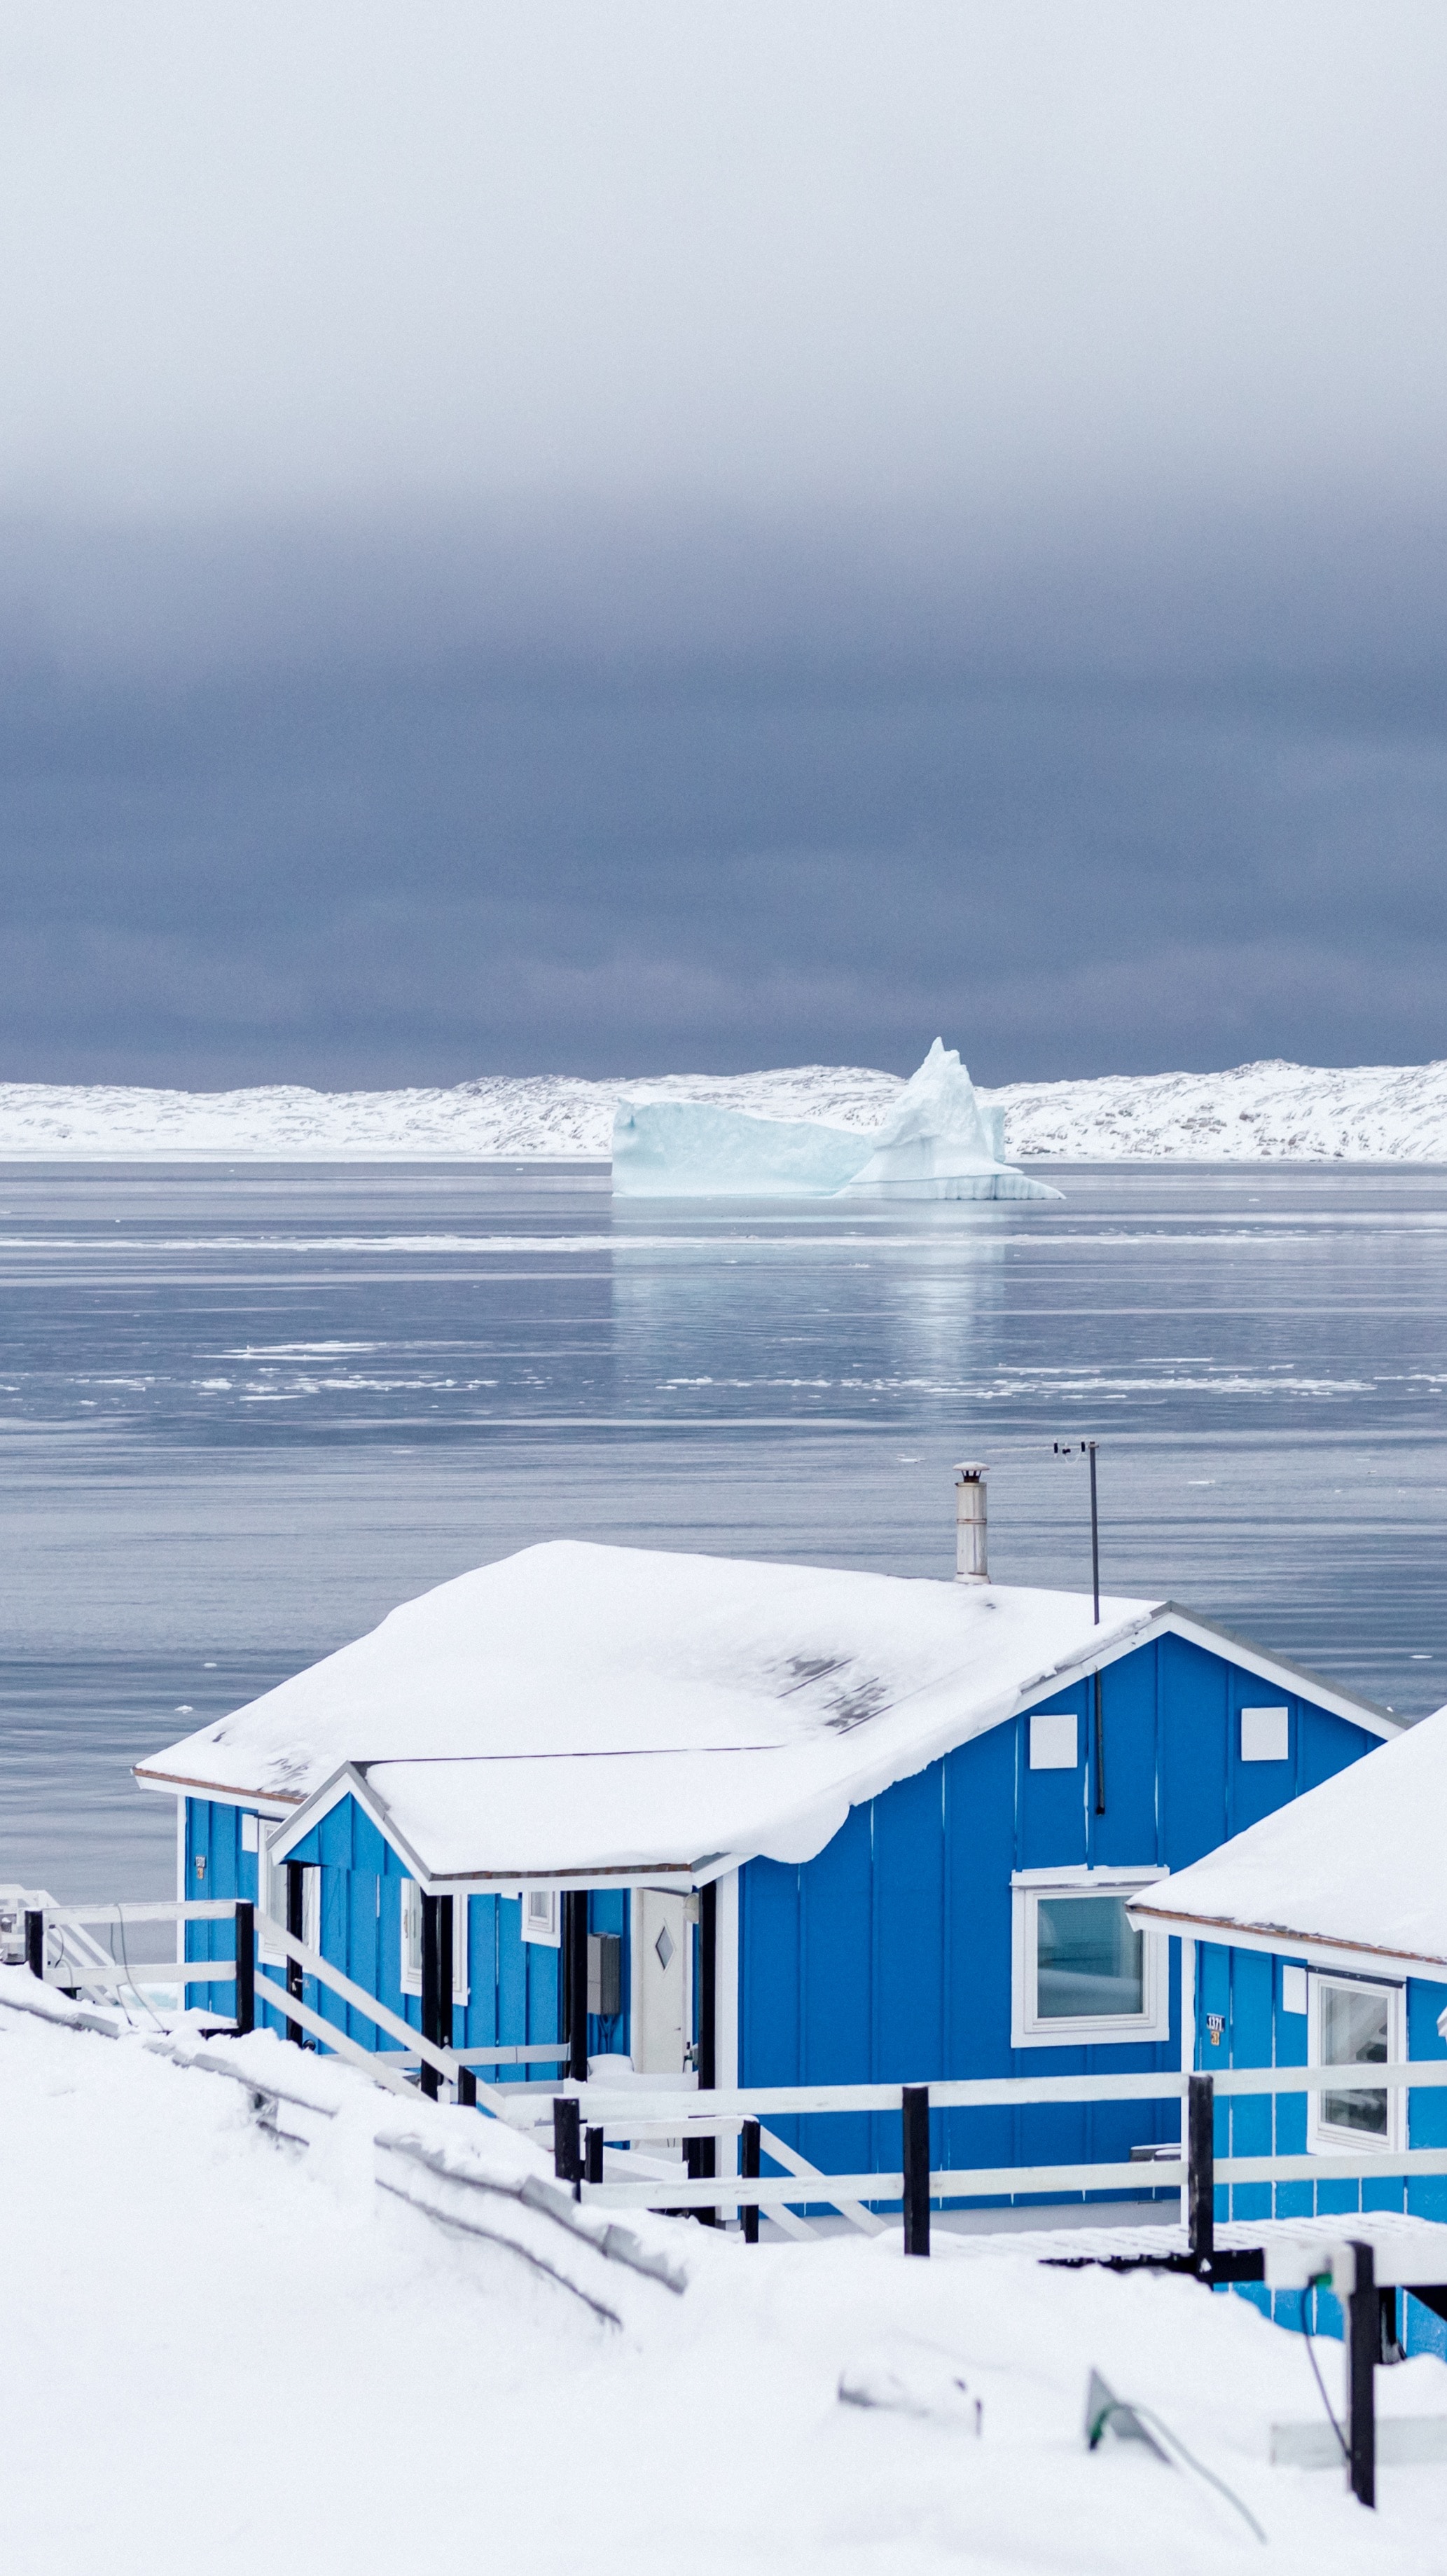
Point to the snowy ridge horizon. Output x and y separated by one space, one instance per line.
1266 1111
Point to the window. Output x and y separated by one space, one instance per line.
1082 1971
271 1882
1265 1734
412 1941
1354 2024
540 1914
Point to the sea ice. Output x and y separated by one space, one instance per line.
935 1143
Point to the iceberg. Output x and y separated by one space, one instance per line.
936 1143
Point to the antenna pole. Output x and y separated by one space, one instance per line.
1094 1536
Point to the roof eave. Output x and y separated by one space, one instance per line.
278 1802
1317 1948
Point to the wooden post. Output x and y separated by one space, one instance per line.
593 2159
575 1980
567 2143
245 1967
698 2162
1364 2335
1201 2173
707 2159
444 1970
35 1941
431 1990
749 2170
466 2088
295 1886
914 2106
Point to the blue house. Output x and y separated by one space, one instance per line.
1319 1938
762 1824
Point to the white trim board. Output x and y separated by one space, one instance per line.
1171 1620
274 1809
1382 1964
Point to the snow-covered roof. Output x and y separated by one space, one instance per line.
581 1706
577 1708
1355 1865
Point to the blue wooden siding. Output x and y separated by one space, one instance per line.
1244 1988
513 1986
888 1958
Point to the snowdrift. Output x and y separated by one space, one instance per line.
936 1143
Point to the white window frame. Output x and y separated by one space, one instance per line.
459 1949
536 1927
410 1919
271 1889
1323 2137
410 1951
1028 2028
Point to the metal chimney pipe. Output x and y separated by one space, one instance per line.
971 1551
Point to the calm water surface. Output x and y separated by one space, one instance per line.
245 1413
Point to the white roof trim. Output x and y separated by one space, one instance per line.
171 1784
1318 1950
1299 1679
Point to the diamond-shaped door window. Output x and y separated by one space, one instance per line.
664 1948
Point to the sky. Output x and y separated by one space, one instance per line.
594 536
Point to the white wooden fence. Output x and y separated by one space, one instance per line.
588 2115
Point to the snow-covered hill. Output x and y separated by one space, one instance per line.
235 2354
1275 1111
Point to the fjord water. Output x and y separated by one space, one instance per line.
247 1411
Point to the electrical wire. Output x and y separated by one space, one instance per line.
1147 2415
1315 2372
135 1989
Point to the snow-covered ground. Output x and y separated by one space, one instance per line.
232 2353
1276 1111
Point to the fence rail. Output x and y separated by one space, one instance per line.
703 2121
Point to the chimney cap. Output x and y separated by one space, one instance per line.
970 1470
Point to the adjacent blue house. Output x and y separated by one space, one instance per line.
760 1824
1319 1938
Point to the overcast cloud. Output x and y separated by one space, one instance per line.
615 537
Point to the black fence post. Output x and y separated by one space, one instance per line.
575 1981
749 2171
295 1890
431 1991
35 1941
466 2089
445 1921
698 2162
567 2140
1201 2173
245 1967
593 2160
705 2153
1364 2335
914 2106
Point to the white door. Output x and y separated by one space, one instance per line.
662 1947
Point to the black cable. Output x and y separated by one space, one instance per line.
1147 2415
1316 2374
